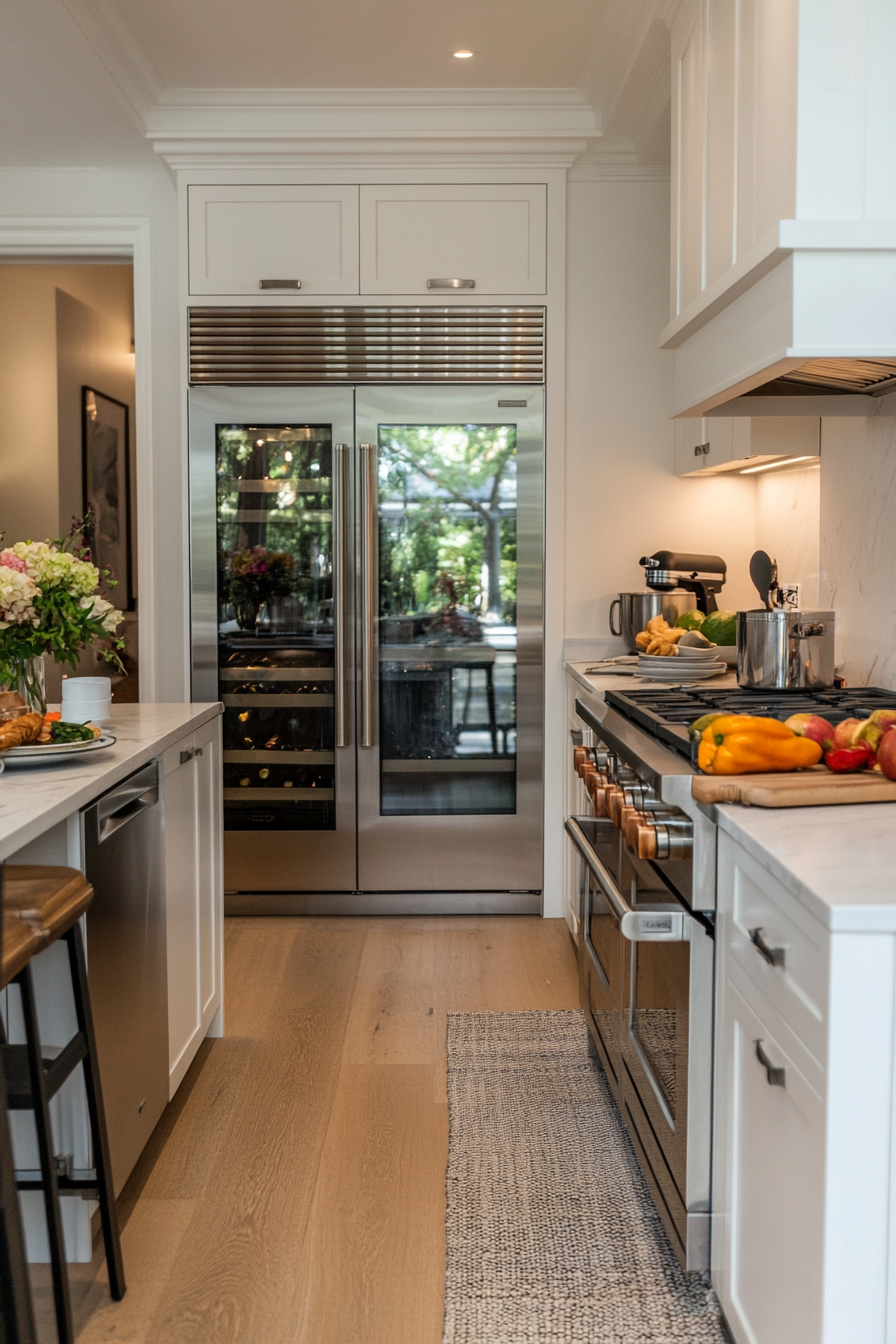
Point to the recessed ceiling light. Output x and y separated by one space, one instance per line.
463 55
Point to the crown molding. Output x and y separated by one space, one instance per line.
199 153
383 126
616 160
372 97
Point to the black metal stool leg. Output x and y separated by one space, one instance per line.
16 1312
101 1159
64 1324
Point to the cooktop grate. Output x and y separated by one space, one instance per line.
667 713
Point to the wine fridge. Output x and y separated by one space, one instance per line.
366 571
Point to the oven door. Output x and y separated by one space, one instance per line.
601 967
666 1047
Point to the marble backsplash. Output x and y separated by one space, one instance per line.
787 526
858 542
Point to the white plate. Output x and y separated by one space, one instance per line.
727 653
54 751
678 674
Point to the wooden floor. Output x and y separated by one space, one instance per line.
294 1191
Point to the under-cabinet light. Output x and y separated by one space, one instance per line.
463 55
781 462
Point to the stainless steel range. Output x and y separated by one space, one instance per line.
647 888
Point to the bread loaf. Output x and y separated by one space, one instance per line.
18 732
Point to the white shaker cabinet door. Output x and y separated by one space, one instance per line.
768 1195
209 869
263 240
703 444
193 893
454 240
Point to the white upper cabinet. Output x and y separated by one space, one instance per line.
734 118
279 240
783 196
461 240
708 444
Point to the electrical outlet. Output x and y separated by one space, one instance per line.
790 595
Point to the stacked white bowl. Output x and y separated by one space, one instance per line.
86 699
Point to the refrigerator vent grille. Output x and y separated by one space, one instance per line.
237 347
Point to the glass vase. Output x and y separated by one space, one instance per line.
26 675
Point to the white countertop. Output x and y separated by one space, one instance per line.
839 862
34 798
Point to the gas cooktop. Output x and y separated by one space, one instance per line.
666 713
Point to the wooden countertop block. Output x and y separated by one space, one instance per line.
20 943
49 899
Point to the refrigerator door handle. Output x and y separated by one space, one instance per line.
340 588
368 460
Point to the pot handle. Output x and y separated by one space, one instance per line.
617 602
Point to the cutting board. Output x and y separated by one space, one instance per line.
817 787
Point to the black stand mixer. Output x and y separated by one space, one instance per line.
702 575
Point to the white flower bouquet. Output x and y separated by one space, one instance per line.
49 603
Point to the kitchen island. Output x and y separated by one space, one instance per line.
178 746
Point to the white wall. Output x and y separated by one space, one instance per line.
146 193
858 542
622 499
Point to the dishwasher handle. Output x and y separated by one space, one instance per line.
120 806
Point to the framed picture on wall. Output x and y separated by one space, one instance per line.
107 490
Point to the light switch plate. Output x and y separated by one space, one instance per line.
790 595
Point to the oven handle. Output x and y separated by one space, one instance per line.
638 926
620 907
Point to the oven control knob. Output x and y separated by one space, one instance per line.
601 758
634 823
664 838
603 799
640 795
579 756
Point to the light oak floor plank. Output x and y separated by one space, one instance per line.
294 1190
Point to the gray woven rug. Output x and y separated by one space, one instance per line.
552 1237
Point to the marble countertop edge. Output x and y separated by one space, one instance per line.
838 862
36 798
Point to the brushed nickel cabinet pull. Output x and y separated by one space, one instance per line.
279 284
774 1075
450 284
773 955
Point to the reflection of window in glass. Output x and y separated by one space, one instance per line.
448 524
447 589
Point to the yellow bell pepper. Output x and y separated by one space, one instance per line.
741 744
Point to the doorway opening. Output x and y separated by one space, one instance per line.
67 424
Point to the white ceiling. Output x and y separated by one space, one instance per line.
85 82
373 44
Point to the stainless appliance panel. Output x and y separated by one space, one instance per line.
433 811
270 859
124 857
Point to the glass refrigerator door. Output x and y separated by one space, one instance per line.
449 755
288 764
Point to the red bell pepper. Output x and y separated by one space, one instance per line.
843 760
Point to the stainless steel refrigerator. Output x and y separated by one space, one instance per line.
367 569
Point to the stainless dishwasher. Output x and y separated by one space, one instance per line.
124 859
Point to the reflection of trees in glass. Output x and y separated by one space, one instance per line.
454 538
298 515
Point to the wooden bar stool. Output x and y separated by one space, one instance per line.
18 944
51 901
